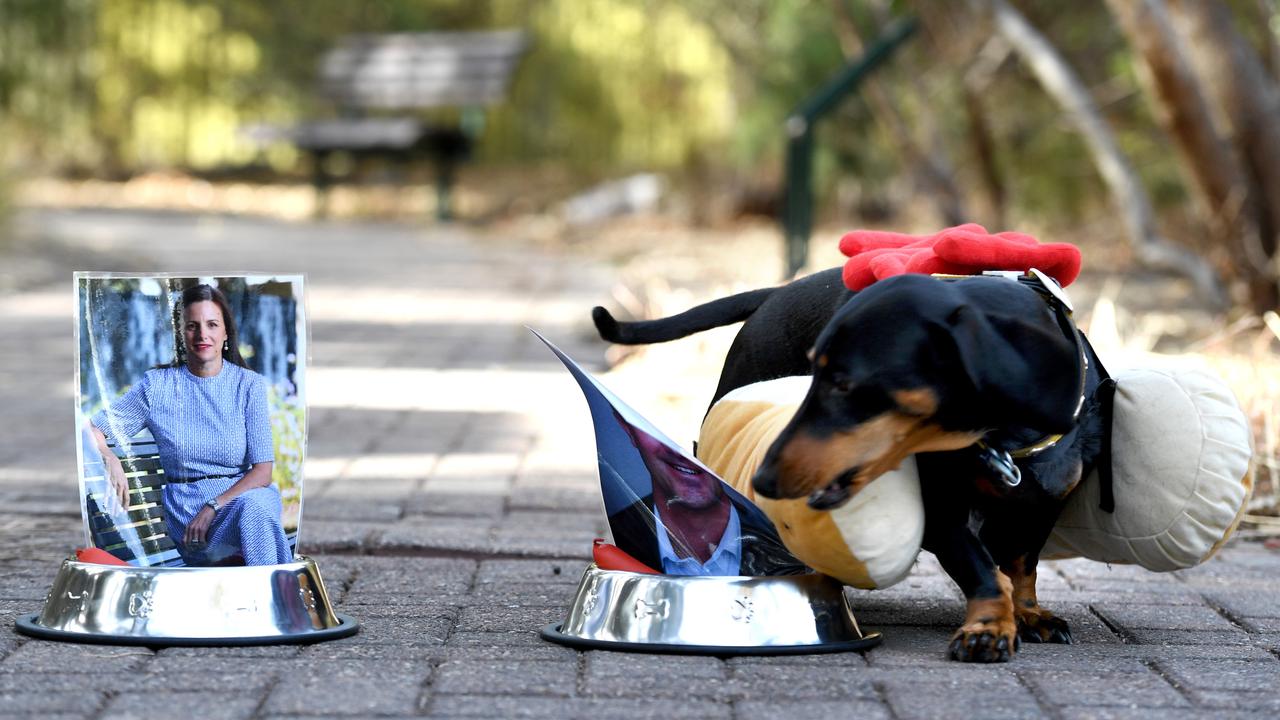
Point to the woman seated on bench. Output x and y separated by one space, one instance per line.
209 416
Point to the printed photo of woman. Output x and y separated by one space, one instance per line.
210 418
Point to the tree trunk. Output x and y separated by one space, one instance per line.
1131 201
977 78
1249 103
1212 165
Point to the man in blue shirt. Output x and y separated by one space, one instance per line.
692 523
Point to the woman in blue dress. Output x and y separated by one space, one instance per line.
208 413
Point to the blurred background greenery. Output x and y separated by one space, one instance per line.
697 90
113 88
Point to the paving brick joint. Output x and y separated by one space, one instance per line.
452 499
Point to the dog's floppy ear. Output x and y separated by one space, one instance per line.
1025 371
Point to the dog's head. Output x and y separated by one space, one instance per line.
915 364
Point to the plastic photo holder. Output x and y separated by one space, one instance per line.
191 438
722 582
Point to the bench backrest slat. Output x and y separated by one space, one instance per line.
137 514
421 70
145 516
138 482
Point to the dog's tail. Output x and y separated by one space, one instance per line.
716 313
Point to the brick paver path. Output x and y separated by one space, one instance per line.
452 498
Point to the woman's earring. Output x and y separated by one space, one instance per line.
225 346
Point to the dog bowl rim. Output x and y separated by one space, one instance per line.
71 560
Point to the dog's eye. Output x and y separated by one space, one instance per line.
842 386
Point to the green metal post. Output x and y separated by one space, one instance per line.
444 189
797 214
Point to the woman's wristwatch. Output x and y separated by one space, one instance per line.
212 504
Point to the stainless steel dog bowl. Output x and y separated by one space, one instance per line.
159 606
617 610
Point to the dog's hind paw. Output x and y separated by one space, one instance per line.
1042 626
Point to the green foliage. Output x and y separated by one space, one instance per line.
288 432
612 84
119 86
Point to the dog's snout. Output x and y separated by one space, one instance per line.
765 482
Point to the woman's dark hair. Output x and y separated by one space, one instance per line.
202 293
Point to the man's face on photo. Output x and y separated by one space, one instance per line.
679 480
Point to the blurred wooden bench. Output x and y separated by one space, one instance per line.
367 76
146 479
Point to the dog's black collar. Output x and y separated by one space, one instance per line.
991 452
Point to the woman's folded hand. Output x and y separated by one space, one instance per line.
198 529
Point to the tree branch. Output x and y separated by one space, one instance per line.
1127 193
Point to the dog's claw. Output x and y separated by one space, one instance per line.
982 647
1044 627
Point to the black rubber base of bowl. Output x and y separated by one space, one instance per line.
552 633
27 625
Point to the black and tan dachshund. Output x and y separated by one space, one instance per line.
985 377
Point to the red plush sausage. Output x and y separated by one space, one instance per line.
611 557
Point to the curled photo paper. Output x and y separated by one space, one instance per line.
666 510
191 416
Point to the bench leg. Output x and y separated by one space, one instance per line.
320 181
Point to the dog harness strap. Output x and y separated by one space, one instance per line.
1105 396
1052 293
1001 461
1060 305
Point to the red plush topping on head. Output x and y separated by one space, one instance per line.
962 250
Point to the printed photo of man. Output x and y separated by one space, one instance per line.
692 523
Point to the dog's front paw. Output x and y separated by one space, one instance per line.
986 640
1037 625
989 632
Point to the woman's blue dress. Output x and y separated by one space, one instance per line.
213 428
